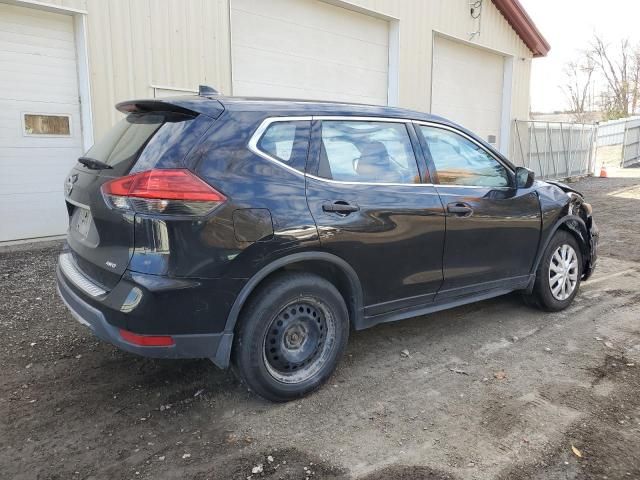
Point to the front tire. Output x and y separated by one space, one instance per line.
558 274
291 335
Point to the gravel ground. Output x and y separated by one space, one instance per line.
490 390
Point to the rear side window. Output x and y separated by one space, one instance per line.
287 142
141 138
372 152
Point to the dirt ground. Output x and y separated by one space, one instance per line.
493 390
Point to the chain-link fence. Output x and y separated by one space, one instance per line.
554 149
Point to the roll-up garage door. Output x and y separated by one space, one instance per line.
467 87
308 49
40 134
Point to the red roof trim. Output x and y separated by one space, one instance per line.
515 14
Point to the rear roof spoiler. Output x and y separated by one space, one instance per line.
142 106
186 104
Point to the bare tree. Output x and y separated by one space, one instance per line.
579 80
620 69
635 80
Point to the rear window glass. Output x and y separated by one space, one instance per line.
142 137
125 139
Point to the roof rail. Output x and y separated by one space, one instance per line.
207 91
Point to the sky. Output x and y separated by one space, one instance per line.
569 25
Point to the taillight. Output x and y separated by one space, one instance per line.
168 192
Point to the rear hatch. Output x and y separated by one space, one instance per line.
153 135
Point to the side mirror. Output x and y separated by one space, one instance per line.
524 177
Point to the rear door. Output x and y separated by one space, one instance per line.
493 229
102 239
373 208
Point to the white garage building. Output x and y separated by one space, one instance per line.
65 63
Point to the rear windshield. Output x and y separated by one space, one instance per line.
126 141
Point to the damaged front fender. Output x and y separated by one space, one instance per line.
565 207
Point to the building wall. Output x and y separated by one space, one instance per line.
134 44
420 20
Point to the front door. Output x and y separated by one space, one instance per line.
373 209
493 229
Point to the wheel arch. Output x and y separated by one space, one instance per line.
574 225
325 264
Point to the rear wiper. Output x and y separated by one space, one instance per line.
93 163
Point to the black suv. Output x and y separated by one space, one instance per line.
259 232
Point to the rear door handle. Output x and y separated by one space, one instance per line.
460 209
340 207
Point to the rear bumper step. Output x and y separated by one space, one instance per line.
75 276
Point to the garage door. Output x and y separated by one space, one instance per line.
308 49
467 87
40 135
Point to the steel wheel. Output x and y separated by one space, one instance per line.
563 272
299 341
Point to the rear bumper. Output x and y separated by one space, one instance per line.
214 346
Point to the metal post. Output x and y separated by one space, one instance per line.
624 144
520 142
535 137
588 140
512 147
546 148
569 156
595 151
583 132
555 167
530 129
585 162
579 146
637 144
564 144
594 148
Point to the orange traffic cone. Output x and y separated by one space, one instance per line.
603 172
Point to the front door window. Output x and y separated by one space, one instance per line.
460 161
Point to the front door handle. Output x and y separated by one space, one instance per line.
340 207
460 209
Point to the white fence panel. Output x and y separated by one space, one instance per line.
631 144
612 132
554 149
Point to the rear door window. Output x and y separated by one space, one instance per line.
367 151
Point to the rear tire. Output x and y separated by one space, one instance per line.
291 335
558 274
